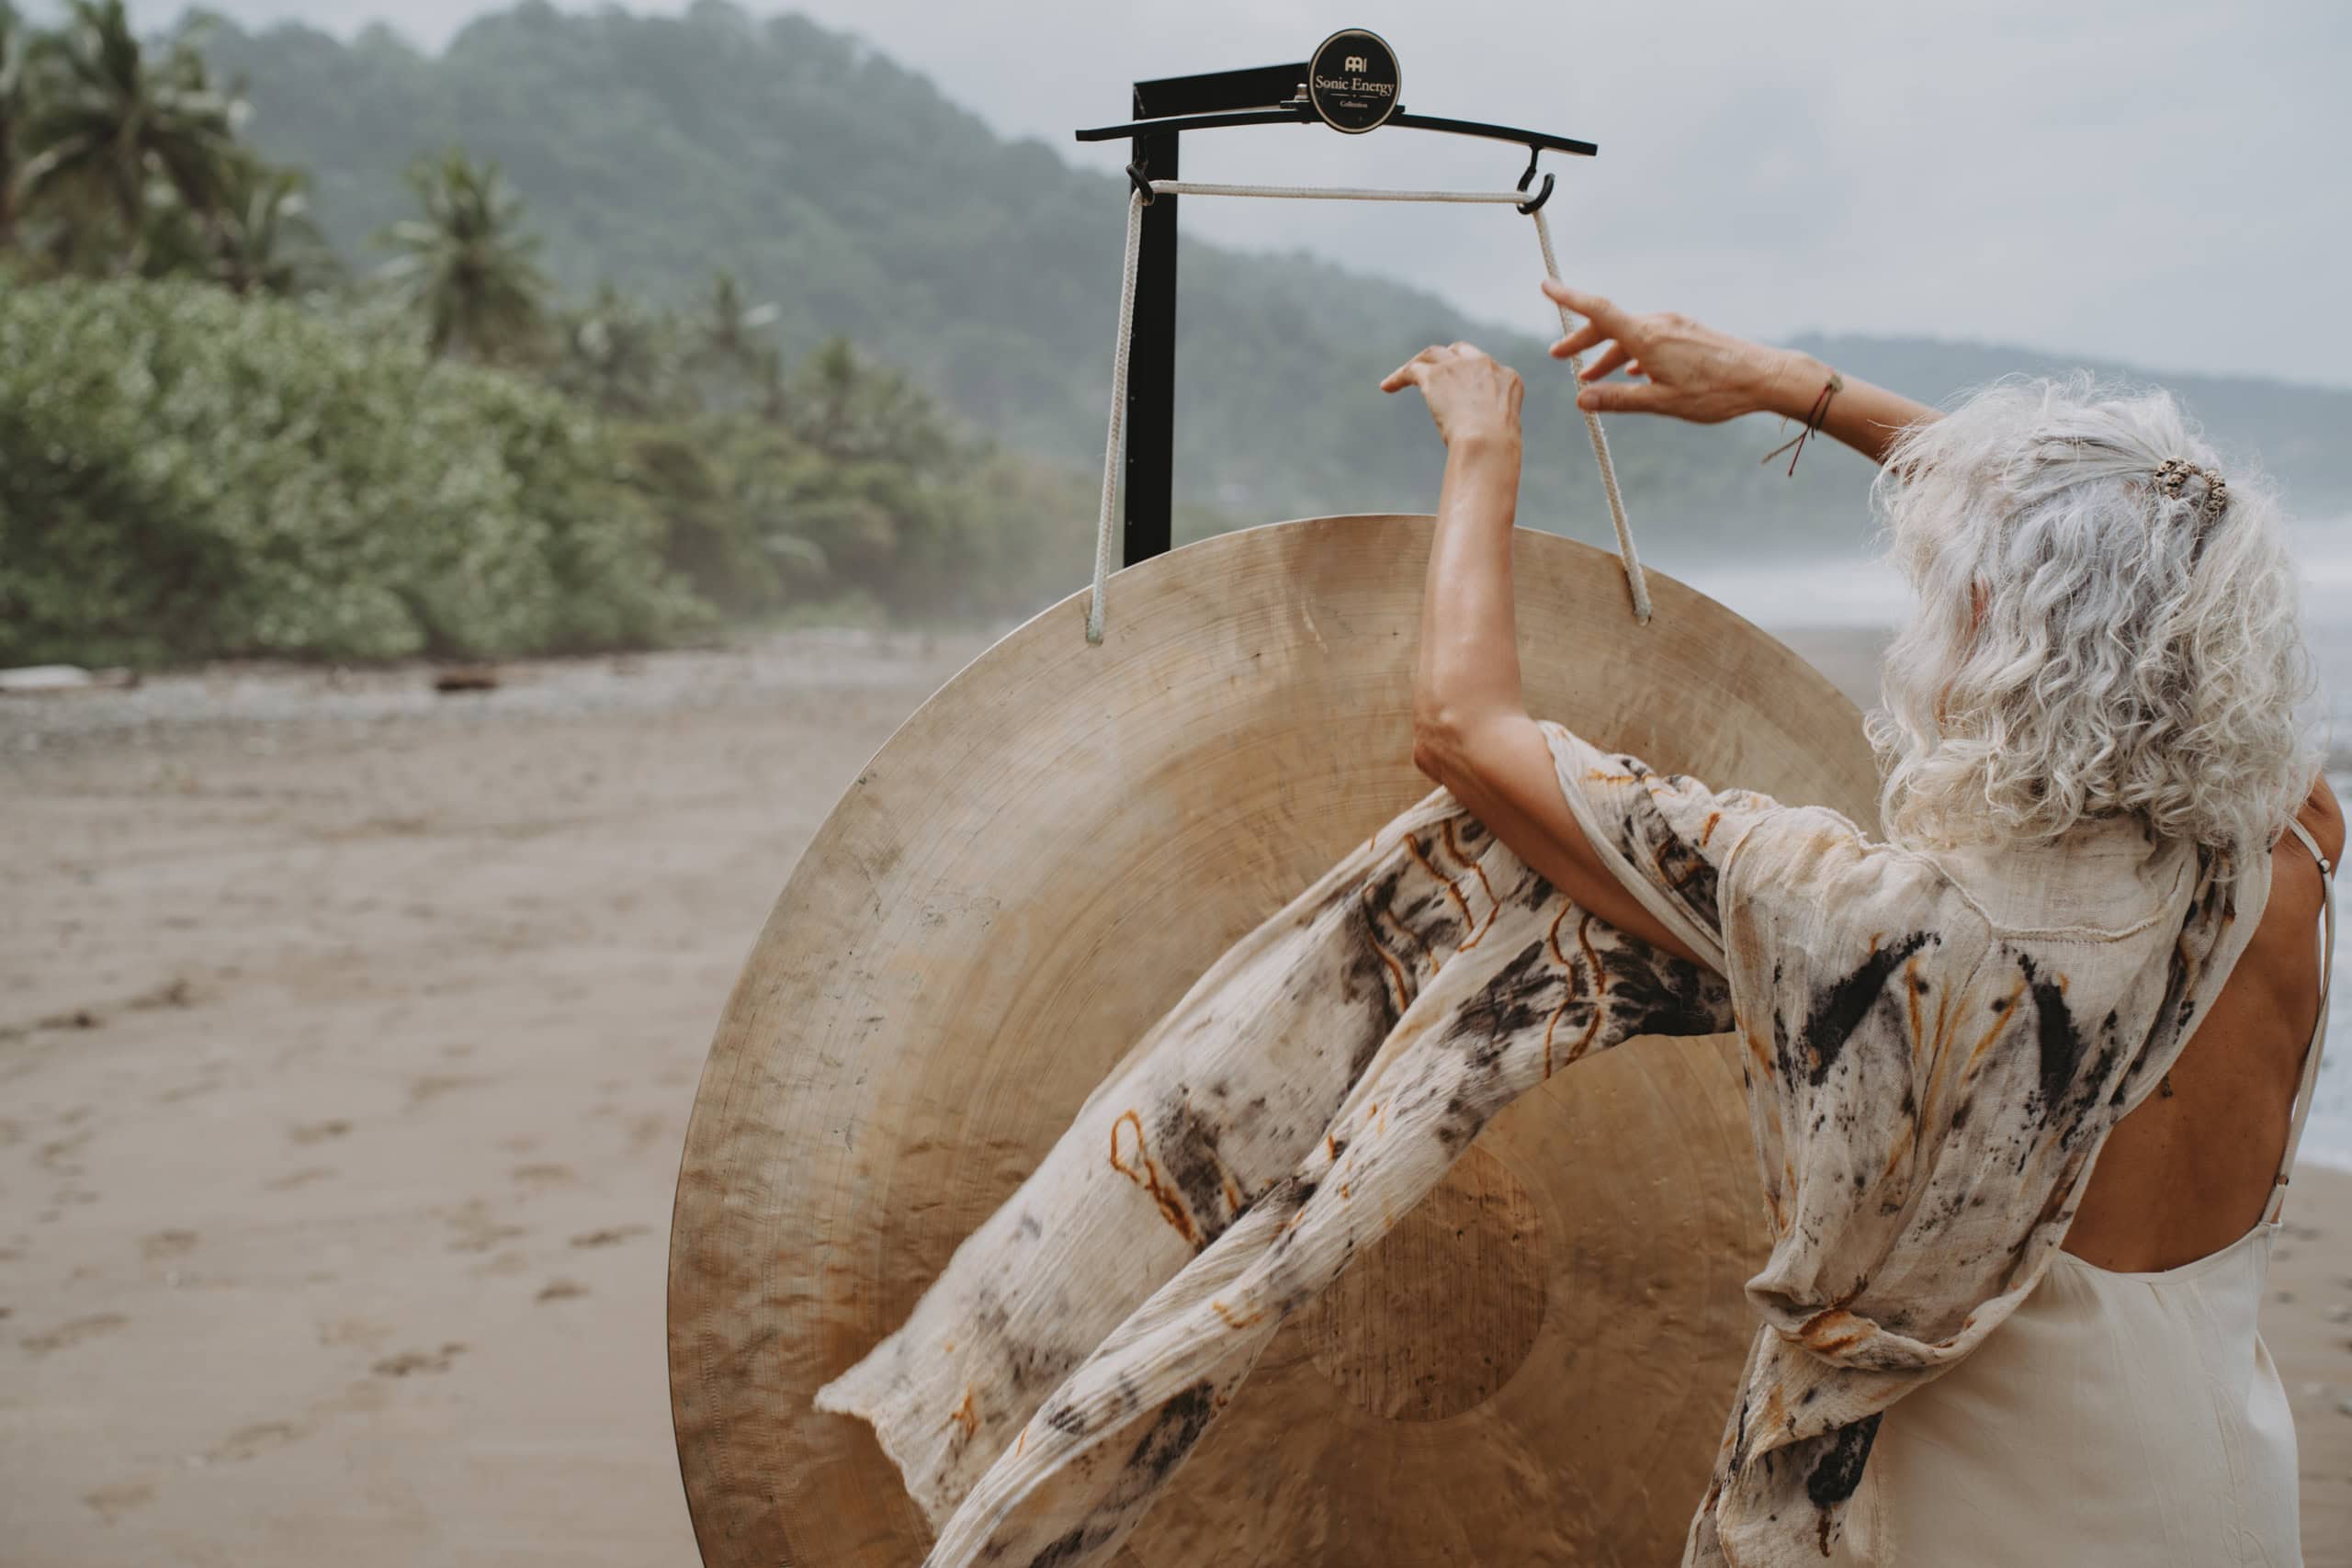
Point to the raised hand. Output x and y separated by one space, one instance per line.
1686 371
1471 396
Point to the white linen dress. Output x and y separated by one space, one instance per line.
2116 1420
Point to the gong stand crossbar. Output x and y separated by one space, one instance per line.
1353 84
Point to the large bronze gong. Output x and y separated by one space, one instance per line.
1021 881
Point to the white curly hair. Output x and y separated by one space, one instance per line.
2136 653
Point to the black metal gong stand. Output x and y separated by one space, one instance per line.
1164 109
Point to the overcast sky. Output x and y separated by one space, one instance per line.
2146 180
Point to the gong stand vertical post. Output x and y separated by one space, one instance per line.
1351 84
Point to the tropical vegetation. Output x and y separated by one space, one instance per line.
218 438
264 481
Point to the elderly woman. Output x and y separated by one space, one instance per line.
1969 1349
2101 673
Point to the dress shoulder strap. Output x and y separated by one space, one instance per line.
2305 1090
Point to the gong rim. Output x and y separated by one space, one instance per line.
766 1301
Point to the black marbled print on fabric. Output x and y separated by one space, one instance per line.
1838 1469
1839 1010
1184 1141
1652 845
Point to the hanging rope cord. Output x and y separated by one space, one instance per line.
1110 451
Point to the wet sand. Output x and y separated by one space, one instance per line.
347 1036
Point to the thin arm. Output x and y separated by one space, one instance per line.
1688 370
1471 729
1863 415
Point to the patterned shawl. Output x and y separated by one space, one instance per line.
1936 1043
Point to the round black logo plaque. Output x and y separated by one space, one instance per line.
1353 80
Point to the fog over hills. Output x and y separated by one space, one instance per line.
859 199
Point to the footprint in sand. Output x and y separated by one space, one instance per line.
431 1086
165 1245
320 1131
477 1231
175 992
246 1443
57 1155
543 1175
408 1361
73 1332
110 1502
302 1176
560 1291
209 1080
607 1236
357 1331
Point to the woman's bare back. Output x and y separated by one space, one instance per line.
2191 1169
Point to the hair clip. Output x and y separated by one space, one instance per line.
2172 475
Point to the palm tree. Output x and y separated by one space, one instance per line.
767 370
851 410
727 323
113 117
16 80
731 362
268 239
466 265
614 354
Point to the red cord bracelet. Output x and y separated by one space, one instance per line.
1813 416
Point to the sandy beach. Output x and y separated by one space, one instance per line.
348 1037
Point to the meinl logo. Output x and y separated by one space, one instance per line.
1352 81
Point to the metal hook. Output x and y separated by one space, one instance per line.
1135 177
1541 197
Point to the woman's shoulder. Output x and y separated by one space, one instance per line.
1819 856
1811 833
2322 818
2105 880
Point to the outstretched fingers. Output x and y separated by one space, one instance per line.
1622 396
1409 373
1583 338
1617 355
1594 307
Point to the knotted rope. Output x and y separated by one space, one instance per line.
1110 451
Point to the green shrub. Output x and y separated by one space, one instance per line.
761 519
185 474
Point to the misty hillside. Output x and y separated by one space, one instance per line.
849 191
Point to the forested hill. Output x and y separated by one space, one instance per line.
849 191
